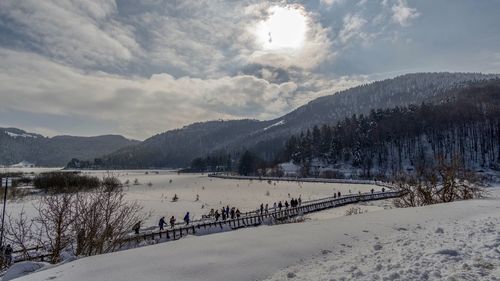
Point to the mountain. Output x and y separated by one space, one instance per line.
17 145
462 127
177 148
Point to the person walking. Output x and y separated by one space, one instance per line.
161 223
217 215
238 213
275 206
186 218
137 227
223 214
172 222
280 205
300 201
266 208
286 204
233 214
8 255
261 209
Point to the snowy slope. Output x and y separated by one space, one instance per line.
458 241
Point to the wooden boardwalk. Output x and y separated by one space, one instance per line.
250 219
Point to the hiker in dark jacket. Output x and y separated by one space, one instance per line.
8 255
238 213
162 222
216 215
280 205
232 213
224 214
172 222
186 218
137 227
286 204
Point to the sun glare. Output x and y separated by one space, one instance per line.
284 29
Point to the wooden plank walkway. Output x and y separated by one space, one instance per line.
250 219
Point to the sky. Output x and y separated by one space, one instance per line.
139 68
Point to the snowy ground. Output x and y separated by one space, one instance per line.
213 192
455 241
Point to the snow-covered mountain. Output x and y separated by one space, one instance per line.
177 148
17 146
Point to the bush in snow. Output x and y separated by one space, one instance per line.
448 182
354 211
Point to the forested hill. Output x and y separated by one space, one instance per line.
462 124
17 145
177 148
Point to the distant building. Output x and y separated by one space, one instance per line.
23 164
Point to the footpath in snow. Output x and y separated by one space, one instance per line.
455 241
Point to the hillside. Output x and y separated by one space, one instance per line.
461 125
17 145
177 148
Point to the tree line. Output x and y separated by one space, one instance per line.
391 141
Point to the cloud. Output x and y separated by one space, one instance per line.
352 27
143 106
330 3
79 33
142 67
403 14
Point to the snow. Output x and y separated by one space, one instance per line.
23 164
290 169
24 135
20 269
279 123
216 193
392 244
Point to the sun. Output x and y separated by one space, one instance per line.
284 29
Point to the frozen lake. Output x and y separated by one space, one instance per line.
156 188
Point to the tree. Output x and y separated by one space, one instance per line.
56 214
247 164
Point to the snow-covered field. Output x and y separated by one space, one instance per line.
454 241
155 190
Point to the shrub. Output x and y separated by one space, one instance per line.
355 211
446 183
65 182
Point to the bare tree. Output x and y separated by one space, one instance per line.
56 214
446 183
104 219
19 233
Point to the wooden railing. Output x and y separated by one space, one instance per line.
253 218
257 218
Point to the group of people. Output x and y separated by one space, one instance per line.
163 222
293 204
6 255
225 213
